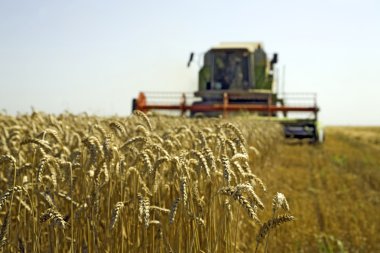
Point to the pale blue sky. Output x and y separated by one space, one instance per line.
94 56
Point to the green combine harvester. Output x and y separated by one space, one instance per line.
238 77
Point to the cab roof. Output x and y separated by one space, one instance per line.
250 46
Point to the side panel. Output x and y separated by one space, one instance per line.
205 73
260 70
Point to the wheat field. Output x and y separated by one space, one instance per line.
137 184
80 183
333 190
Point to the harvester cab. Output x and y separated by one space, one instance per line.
239 71
239 77
236 67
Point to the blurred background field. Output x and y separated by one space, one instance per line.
333 190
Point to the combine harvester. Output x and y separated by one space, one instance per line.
238 77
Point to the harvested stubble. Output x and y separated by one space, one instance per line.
136 184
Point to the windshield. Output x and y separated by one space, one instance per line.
230 69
